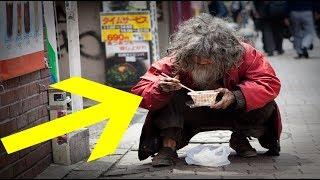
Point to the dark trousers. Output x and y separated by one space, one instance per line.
272 37
181 123
303 29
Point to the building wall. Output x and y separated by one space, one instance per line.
91 48
164 28
23 104
92 51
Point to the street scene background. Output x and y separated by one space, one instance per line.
300 146
114 43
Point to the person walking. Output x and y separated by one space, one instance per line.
301 16
271 15
236 7
218 9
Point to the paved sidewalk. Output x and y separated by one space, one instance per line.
299 103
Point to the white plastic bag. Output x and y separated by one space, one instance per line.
208 156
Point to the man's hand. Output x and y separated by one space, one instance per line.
227 99
168 84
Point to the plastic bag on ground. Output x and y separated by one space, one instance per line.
205 155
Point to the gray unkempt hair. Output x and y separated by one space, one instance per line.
205 36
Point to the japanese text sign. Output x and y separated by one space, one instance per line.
125 26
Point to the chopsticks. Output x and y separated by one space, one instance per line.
179 83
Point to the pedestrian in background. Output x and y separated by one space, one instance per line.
316 13
269 17
218 9
236 7
302 22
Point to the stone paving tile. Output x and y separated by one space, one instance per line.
142 173
102 164
222 173
311 156
284 156
298 141
308 144
55 171
120 170
237 166
131 137
289 150
314 127
305 150
234 159
83 174
123 172
207 169
120 151
305 146
297 176
310 169
254 160
250 176
283 170
133 176
262 166
116 172
165 171
184 172
195 168
195 177
288 163
131 158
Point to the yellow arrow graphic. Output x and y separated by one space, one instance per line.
119 106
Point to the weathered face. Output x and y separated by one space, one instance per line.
203 61
205 73
205 37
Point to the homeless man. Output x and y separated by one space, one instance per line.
205 54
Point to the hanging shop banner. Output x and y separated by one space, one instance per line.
51 43
125 26
21 38
126 62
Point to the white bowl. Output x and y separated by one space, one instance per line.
203 98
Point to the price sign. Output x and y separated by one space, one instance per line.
125 26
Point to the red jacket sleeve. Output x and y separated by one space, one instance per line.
259 83
153 97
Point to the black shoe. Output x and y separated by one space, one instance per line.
270 53
271 143
299 56
165 157
311 46
241 145
272 152
280 52
305 52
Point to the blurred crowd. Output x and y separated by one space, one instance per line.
298 21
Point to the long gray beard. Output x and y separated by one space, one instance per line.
205 77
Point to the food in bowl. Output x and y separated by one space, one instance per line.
203 98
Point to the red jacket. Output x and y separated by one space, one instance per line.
255 77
